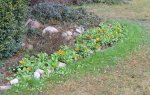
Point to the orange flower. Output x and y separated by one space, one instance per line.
29 68
76 49
61 52
21 62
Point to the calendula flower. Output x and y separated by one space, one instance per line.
29 68
61 52
21 62
97 46
76 49
97 39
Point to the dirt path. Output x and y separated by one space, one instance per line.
130 77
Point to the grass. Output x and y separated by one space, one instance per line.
136 9
95 64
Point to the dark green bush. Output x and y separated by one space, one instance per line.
12 17
50 11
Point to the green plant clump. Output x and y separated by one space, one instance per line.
12 17
45 12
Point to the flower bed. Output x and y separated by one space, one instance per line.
89 42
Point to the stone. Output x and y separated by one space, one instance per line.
50 29
80 30
69 38
40 71
3 88
64 34
33 24
61 65
69 33
50 71
37 75
75 34
30 47
14 81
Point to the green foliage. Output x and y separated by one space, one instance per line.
110 1
45 12
12 17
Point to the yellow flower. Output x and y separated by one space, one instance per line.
97 46
89 36
77 56
97 39
29 69
21 62
76 49
61 52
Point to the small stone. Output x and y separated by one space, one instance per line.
50 71
30 47
14 81
69 33
3 88
64 34
37 75
50 29
69 38
61 65
40 71
75 34
80 30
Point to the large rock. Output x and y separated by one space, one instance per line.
33 24
50 29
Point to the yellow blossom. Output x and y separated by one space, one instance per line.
76 49
21 62
97 39
29 69
61 52
97 46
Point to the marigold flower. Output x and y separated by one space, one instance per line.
29 68
61 52
97 39
97 46
21 62
77 49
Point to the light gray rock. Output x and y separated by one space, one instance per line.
64 34
80 30
3 88
33 24
30 47
37 75
14 81
61 65
40 71
50 29
69 33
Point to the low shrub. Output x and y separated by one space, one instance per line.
12 17
45 12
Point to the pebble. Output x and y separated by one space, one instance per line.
37 75
14 81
